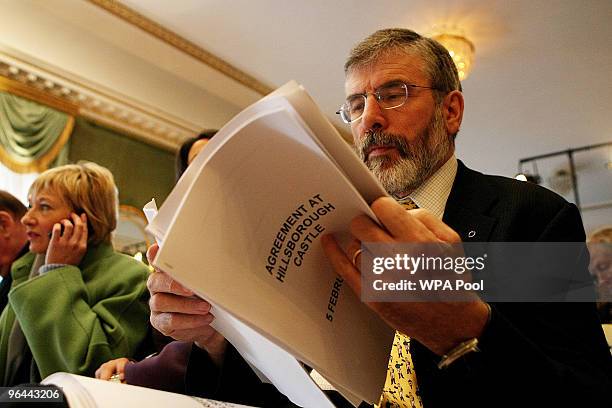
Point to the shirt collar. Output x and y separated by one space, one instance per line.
433 193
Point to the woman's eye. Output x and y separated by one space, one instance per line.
602 266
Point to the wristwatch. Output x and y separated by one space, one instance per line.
459 351
468 346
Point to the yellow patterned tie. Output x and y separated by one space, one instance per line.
407 203
401 384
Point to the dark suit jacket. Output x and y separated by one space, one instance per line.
5 284
532 354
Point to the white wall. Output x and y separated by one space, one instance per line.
70 34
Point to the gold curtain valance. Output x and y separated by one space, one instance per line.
32 136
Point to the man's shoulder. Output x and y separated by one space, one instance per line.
517 210
515 191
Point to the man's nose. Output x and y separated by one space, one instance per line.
373 115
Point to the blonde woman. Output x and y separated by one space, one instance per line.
74 302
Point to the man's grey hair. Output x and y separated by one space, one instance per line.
439 65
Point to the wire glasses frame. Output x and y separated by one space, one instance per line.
388 96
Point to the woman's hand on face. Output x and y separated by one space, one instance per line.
68 247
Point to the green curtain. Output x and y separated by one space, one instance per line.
141 171
32 136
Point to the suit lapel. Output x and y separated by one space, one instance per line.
467 206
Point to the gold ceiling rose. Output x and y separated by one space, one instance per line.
460 49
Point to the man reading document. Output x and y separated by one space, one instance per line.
404 106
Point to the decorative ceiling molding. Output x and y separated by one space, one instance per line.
133 17
35 80
37 94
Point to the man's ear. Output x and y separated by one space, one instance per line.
6 222
452 111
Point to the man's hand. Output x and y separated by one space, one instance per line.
177 312
440 326
68 247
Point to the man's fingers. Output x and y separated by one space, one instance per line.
401 224
152 252
437 226
175 324
341 264
202 337
167 302
353 252
162 282
366 230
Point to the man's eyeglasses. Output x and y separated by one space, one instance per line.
388 96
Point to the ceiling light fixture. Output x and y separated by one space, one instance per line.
460 49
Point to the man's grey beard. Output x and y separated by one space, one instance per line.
418 160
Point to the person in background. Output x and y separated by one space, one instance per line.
74 302
13 240
189 150
600 266
164 371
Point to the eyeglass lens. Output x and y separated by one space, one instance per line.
388 96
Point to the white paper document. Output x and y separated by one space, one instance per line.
85 392
272 363
242 229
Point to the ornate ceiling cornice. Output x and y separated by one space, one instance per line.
35 80
133 17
